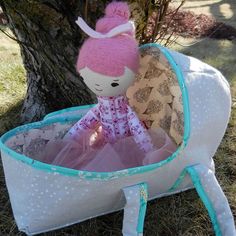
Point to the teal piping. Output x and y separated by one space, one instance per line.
178 181
202 194
67 171
143 207
70 109
182 85
100 175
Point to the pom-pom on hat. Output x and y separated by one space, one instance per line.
112 46
119 9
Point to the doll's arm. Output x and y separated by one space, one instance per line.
139 132
89 121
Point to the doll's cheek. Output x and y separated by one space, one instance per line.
89 82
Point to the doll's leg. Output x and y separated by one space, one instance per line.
135 209
211 194
139 132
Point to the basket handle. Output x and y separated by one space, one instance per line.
212 196
135 209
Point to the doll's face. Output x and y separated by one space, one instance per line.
103 85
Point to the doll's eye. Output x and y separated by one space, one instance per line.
114 84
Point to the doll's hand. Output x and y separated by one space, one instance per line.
97 139
84 126
147 146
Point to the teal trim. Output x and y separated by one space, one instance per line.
66 171
70 109
182 85
178 181
143 206
207 202
97 175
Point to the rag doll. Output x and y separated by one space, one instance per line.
108 61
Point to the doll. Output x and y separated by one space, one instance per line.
108 62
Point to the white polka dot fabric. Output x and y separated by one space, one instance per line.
43 201
135 208
211 189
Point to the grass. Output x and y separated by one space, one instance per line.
218 53
181 214
12 83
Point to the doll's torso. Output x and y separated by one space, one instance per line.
117 120
114 117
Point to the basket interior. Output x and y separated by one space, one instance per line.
156 97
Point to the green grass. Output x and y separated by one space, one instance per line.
218 53
181 214
12 83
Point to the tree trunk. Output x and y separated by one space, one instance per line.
49 41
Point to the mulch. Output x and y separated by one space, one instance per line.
189 24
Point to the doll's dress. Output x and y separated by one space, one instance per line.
106 157
120 142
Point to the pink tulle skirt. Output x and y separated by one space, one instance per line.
91 153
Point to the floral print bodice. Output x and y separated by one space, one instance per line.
117 119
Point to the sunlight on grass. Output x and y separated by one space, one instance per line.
217 53
12 85
12 82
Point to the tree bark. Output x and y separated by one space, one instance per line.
49 41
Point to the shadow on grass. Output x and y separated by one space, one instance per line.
216 9
11 118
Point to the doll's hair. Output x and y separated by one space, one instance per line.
110 56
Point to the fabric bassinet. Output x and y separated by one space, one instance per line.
190 100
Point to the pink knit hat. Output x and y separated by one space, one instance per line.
110 53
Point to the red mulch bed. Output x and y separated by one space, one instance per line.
188 24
